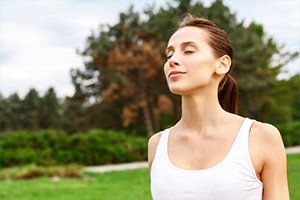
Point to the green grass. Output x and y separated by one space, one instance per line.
293 169
131 184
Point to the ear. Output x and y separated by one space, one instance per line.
223 65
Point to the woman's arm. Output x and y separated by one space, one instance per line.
274 173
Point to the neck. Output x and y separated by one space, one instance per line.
200 112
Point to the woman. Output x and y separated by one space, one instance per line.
212 153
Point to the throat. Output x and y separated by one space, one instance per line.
199 114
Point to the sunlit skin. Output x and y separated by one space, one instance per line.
188 52
205 133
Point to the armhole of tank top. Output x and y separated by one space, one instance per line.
248 153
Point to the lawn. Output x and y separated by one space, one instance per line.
293 169
131 184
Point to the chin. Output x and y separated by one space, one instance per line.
178 90
187 90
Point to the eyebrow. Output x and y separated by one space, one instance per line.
182 44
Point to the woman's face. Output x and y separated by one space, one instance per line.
191 62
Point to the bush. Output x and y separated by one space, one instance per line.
49 147
34 171
290 133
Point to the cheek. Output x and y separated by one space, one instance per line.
166 66
205 65
201 71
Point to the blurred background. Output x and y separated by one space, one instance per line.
82 81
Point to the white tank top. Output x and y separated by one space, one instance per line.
233 178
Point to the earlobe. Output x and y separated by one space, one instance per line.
223 65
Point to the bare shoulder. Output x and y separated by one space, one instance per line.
152 145
265 139
267 134
154 139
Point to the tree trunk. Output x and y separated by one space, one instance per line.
145 108
154 118
146 113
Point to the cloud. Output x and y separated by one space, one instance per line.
280 19
39 38
33 60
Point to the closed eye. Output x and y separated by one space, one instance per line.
169 56
188 52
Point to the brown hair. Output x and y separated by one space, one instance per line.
220 44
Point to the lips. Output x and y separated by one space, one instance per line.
175 73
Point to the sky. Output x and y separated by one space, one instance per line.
39 39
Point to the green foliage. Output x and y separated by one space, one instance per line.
290 133
32 112
48 112
284 105
49 147
10 109
34 171
31 105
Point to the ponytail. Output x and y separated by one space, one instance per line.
228 94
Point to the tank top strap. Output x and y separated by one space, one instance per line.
243 135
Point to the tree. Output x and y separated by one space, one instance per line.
130 71
74 112
5 114
284 104
11 113
30 110
125 71
48 110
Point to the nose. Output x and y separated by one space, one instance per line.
173 62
